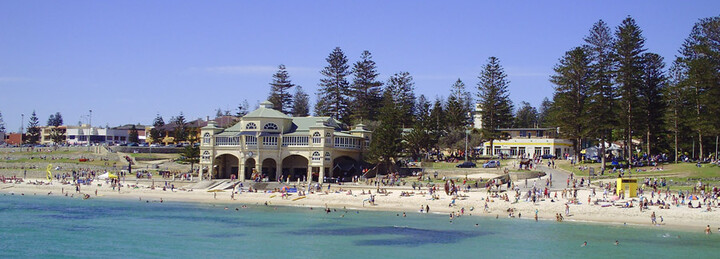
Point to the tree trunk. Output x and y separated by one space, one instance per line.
648 142
602 153
701 144
629 136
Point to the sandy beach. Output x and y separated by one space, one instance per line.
351 196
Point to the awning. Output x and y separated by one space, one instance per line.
263 134
246 133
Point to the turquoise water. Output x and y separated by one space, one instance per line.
57 227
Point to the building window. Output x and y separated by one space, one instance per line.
327 156
317 138
538 151
316 156
295 141
497 150
250 126
206 156
227 141
346 142
270 126
522 133
488 151
270 141
250 140
546 151
513 151
206 138
521 151
539 133
367 142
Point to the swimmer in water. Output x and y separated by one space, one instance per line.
617 243
584 244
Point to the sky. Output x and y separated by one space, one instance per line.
130 60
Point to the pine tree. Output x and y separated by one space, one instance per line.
33 130
181 132
243 108
218 113
156 133
280 90
494 100
334 92
301 103
544 113
457 106
387 137
651 99
366 89
571 80
679 107
601 95
436 125
526 116
419 139
628 54
401 88
700 55
191 154
55 120
133 135
57 135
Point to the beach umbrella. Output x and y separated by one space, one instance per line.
694 197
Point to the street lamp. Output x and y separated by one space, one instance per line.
89 130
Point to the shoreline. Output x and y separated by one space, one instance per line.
677 218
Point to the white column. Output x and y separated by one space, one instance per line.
278 168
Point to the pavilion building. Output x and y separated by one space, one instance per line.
268 145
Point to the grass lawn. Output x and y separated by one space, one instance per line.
445 165
154 156
685 173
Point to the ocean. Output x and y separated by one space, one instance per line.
61 227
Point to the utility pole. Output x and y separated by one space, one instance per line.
89 130
22 129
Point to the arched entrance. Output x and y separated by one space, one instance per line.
344 168
269 167
295 166
249 166
226 165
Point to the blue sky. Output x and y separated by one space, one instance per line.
128 60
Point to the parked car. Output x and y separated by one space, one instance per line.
133 144
466 164
491 164
155 145
547 156
144 145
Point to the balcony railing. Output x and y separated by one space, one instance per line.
227 141
295 141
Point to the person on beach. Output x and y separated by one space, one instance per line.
707 230
567 209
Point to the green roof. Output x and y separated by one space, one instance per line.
304 123
266 111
